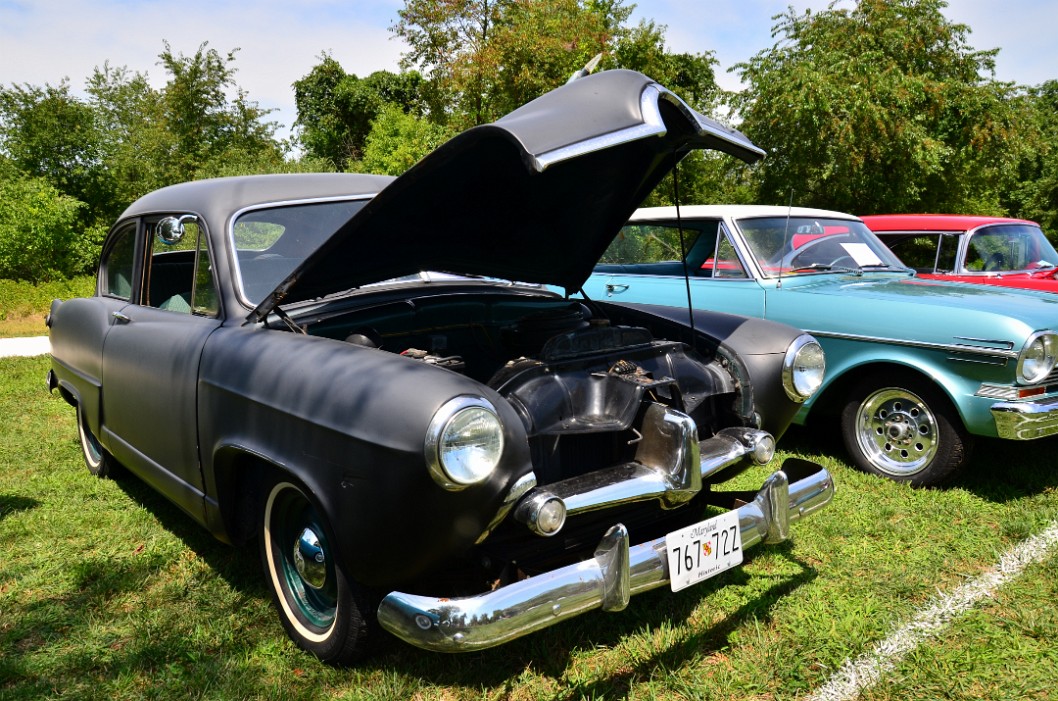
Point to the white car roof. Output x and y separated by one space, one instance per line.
734 211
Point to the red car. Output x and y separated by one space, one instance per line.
985 250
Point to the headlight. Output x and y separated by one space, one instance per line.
464 442
803 368
1037 358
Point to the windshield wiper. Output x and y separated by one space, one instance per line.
827 267
886 266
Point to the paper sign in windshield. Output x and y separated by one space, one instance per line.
862 254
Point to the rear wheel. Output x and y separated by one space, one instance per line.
99 462
321 610
905 429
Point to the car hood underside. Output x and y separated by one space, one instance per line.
534 197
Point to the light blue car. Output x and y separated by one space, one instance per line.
915 368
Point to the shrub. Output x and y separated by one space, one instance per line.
21 299
39 236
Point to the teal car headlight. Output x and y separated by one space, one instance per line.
803 368
464 442
1038 357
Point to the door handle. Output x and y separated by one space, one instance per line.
120 318
615 287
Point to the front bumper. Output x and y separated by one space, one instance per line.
1023 421
606 581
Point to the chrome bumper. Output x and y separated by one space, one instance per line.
606 581
1023 421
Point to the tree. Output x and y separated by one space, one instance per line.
47 132
1036 195
691 76
203 123
337 109
398 140
881 107
136 145
484 58
39 236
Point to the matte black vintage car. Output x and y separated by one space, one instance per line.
457 457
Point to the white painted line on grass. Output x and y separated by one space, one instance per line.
857 675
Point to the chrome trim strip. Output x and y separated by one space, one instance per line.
1026 421
1005 354
653 125
993 391
604 581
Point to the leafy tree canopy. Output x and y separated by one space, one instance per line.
881 107
336 109
484 58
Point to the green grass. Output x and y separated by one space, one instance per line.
109 591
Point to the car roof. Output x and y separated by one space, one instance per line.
740 211
934 222
217 198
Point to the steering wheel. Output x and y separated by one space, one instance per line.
995 262
832 264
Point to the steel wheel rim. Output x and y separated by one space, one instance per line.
312 605
897 431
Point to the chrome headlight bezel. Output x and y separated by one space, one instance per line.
803 368
1037 357
458 467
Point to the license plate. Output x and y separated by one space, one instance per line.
703 550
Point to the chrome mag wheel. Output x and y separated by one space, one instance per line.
897 431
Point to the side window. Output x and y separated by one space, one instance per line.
179 276
643 243
918 252
726 263
117 266
656 249
947 252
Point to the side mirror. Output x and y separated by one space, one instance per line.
171 229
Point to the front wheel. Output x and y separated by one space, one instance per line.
905 429
99 462
322 612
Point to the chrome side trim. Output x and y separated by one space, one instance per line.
1004 353
496 617
653 125
1025 421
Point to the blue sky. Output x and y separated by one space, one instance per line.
279 41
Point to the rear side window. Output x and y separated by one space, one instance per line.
116 267
927 253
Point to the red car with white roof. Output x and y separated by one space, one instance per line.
966 248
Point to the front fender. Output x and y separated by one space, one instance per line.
349 423
958 379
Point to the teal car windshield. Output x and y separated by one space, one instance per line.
785 246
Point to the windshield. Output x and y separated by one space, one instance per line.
785 246
1009 247
270 243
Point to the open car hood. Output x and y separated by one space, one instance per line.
534 197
